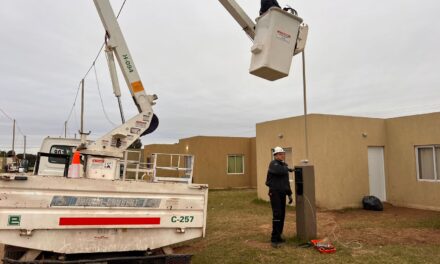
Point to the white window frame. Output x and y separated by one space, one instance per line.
436 177
227 164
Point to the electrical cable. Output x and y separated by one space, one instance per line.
74 103
12 119
100 96
91 66
6 115
333 232
75 118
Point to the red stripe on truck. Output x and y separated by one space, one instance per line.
69 221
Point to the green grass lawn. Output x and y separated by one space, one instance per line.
239 226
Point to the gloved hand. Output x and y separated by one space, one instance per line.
291 170
290 199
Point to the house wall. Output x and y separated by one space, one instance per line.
403 135
337 149
210 162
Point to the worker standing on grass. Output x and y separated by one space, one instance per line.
279 187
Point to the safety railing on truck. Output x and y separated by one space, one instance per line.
173 167
159 167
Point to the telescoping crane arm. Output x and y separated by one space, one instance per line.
240 16
249 27
117 44
114 143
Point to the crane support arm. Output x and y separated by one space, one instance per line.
115 142
117 44
240 16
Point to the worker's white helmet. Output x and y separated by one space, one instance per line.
277 150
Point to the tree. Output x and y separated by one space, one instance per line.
30 157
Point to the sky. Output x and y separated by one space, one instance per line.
363 58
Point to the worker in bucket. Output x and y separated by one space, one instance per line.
266 4
279 188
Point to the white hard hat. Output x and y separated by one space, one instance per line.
277 150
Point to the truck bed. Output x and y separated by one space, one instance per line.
71 216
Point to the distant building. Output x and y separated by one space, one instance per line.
396 159
220 162
2 164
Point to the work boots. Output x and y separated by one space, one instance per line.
277 229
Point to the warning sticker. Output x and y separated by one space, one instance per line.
283 36
141 124
101 164
137 86
135 130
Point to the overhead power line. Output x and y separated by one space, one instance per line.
12 120
100 97
6 115
88 71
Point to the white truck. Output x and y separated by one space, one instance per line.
102 217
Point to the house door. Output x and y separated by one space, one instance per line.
376 172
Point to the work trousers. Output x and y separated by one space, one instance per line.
278 203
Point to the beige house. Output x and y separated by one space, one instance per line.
220 162
396 159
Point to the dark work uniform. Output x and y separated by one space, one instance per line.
266 4
279 187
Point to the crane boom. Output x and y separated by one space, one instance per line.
117 44
114 143
240 16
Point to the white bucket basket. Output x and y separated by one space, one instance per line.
274 44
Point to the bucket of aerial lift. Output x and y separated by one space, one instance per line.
276 34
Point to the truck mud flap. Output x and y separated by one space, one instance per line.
161 259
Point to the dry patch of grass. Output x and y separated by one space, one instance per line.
239 227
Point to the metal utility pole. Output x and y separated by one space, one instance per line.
24 148
13 138
65 129
82 109
306 135
81 132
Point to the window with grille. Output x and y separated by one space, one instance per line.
235 164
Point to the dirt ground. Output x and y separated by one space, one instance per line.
394 225
355 232
355 228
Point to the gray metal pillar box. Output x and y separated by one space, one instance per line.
305 202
